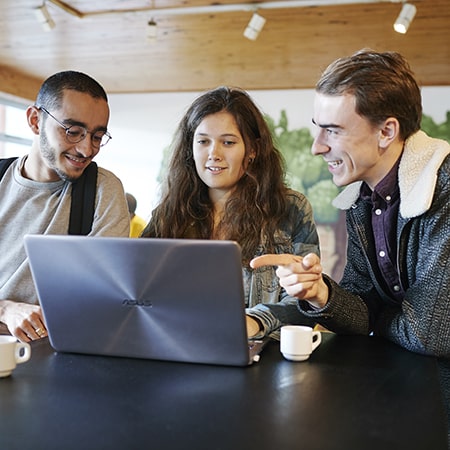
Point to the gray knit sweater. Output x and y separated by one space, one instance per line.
31 207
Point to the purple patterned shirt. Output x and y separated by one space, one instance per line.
385 200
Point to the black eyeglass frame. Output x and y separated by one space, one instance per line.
73 140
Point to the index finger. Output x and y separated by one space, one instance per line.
274 260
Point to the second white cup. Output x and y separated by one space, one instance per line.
12 353
297 342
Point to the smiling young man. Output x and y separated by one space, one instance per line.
368 112
69 121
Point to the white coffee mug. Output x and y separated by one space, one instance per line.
298 342
12 353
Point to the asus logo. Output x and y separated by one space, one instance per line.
129 302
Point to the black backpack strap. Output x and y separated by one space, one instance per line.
4 164
84 191
82 208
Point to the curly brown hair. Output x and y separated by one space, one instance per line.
257 206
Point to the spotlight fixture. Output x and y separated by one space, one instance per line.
44 17
152 30
405 18
254 27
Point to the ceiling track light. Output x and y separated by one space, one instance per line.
44 17
152 31
254 27
210 9
405 18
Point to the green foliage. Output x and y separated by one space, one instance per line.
309 174
321 195
305 173
440 131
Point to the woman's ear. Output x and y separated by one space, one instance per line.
33 117
389 132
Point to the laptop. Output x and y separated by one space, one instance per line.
165 299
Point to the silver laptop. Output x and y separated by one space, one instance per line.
166 299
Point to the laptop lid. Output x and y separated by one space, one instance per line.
167 299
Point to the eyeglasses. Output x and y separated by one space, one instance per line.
76 133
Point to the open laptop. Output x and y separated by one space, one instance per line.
166 299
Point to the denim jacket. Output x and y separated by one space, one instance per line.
298 235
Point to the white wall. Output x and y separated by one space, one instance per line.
142 125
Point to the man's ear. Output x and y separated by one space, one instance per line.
389 132
33 119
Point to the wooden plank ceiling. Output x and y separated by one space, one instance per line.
194 52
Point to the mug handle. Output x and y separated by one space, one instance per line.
23 352
316 339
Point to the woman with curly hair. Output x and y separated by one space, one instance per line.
226 181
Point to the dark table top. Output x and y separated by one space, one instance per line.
357 393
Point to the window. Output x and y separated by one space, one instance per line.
15 135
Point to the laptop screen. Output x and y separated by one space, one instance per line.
167 299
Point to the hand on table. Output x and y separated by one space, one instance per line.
301 277
24 321
253 327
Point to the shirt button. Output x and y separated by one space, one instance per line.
378 212
396 288
388 198
382 254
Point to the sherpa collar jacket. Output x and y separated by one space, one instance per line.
358 304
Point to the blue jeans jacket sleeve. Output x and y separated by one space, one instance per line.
266 300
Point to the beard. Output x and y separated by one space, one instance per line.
49 155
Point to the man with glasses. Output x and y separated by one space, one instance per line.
69 122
